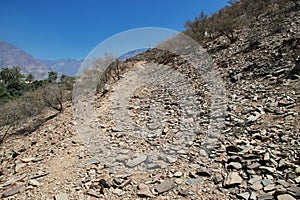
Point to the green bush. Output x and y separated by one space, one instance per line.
23 100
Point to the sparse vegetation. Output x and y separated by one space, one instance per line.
240 15
22 98
104 70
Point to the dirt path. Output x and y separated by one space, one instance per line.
149 138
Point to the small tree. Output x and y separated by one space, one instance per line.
102 71
12 80
197 27
226 22
52 77
13 74
67 82
29 78
4 94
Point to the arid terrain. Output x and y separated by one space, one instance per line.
221 125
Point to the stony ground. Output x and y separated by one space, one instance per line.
148 138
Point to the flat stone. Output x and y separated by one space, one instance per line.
254 165
233 178
266 196
152 166
268 169
26 160
178 174
256 186
34 183
136 161
194 166
283 183
92 161
267 156
297 180
266 182
291 176
171 159
144 191
250 172
269 188
295 191
255 179
244 195
154 125
13 180
202 153
284 138
297 170
13 191
164 187
61 196
194 181
253 196
19 166
122 158
280 189
118 192
179 181
151 135
285 197
254 117
81 155
182 152
234 165
235 158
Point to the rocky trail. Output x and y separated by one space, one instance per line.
176 125
152 136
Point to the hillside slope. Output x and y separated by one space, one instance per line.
149 137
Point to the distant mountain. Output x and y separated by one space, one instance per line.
66 66
13 56
131 54
70 67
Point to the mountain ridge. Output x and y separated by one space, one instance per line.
67 66
11 55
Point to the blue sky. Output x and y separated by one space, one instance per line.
52 29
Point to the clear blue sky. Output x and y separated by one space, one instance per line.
54 29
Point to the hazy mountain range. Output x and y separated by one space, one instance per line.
65 66
13 56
